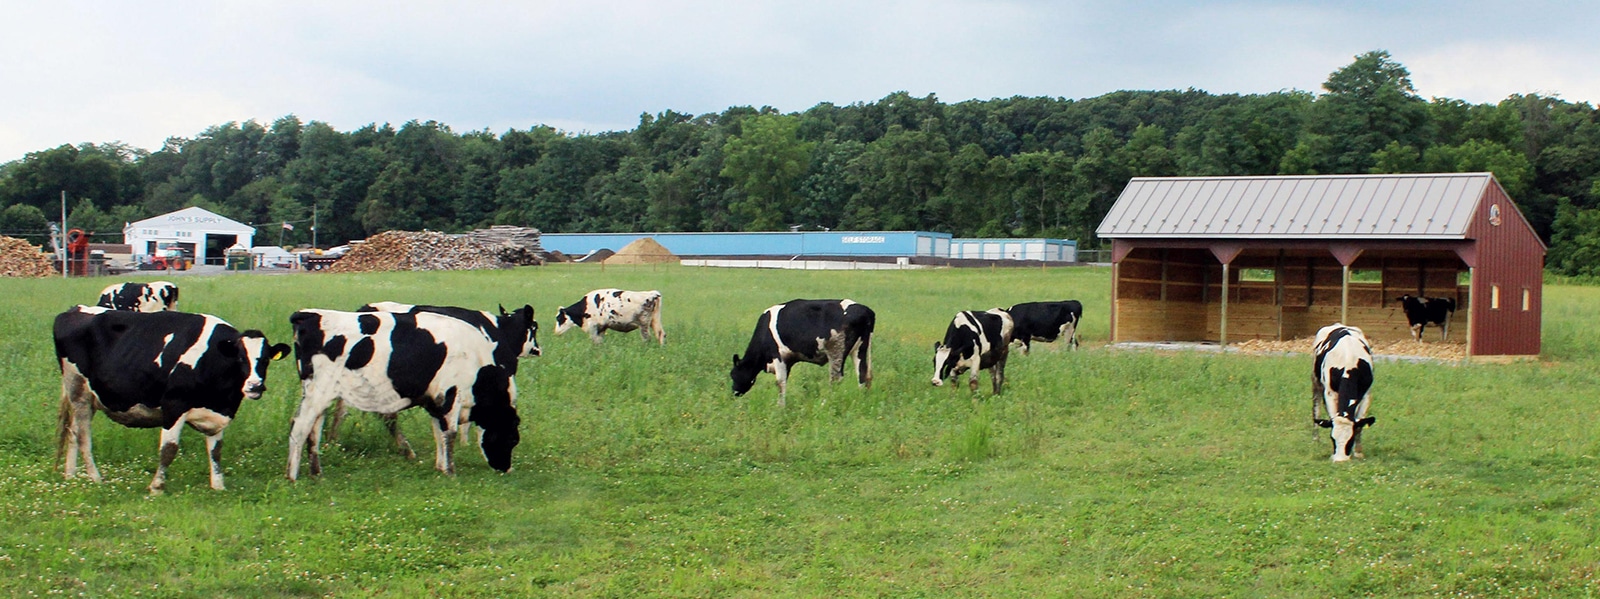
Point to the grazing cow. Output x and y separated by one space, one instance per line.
1046 321
617 310
1423 311
155 370
385 362
974 341
155 296
515 334
1342 382
814 331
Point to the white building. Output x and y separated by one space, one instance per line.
1064 250
204 234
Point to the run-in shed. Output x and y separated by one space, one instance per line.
1225 259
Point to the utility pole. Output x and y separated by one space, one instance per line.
64 254
313 226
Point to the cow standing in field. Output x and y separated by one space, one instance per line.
155 370
974 341
616 310
155 296
1046 321
510 331
814 331
385 362
1423 311
1342 383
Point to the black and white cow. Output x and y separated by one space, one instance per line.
1342 382
974 341
385 362
515 334
1423 311
1046 321
814 331
155 370
155 296
616 310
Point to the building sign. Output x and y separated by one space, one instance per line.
862 239
174 218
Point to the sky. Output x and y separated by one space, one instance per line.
74 72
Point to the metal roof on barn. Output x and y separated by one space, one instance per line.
1406 206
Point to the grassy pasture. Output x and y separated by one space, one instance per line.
1098 473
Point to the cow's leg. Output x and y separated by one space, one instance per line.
1416 332
864 361
81 419
307 419
997 375
443 447
595 333
1025 346
169 451
780 371
656 328
393 422
972 378
1071 331
340 410
1444 334
214 451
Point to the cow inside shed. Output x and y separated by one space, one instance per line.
1423 311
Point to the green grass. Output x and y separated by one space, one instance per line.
1097 473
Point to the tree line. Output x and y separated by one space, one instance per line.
1005 167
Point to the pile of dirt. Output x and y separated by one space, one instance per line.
596 256
18 258
643 250
427 250
1406 347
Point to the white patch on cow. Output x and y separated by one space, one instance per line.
617 310
206 421
165 341
845 304
202 343
391 306
784 353
254 348
92 309
940 356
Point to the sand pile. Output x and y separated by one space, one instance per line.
644 250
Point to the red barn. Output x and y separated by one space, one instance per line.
1220 259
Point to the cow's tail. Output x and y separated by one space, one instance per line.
64 427
655 322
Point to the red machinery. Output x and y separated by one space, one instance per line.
78 252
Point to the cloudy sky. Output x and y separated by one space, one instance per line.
73 72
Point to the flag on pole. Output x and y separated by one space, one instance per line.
288 227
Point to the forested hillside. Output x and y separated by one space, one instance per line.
1002 167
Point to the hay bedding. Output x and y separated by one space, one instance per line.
1406 347
18 258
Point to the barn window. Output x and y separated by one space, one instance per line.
1527 299
1264 275
1494 297
1366 276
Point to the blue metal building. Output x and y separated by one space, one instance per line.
1063 250
775 243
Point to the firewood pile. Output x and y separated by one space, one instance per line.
517 246
1405 347
18 258
427 250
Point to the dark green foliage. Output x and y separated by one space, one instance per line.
1014 166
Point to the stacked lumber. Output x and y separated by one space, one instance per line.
18 258
427 250
517 246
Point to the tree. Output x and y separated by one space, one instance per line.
25 222
765 163
1369 103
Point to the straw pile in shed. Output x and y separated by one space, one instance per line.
427 250
18 258
1405 347
643 250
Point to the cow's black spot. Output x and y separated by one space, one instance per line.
334 347
360 354
617 293
369 323
416 359
307 339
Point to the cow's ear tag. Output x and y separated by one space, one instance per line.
280 351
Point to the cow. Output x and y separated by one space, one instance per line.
385 362
1045 321
814 331
155 296
515 334
1423 311
974 341
617 310
155 370
1342 382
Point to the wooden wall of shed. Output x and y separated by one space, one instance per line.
1187 307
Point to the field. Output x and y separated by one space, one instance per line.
1098 473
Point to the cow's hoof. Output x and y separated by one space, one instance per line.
156 491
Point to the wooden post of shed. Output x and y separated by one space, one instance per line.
1344 295
1224 333
1225 253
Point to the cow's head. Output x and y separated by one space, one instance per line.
743 375
1344 433
519 324
946 362
163 294
565 321
255 354
500 422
